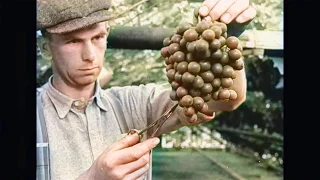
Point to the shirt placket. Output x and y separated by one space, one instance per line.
80 108
93 129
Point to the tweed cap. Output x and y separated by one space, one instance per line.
62 16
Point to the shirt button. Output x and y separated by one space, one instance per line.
80 105
77 103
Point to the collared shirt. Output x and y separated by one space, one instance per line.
78 133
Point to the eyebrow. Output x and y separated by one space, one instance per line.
101 34
69 37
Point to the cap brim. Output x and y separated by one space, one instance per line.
79 23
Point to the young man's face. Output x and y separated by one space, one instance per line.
78 56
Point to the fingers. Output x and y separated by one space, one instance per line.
220 8
205 118
138 174
135 152
246 15
136 168
196 119
206 7
202 118
125 142
135 165
227 11
116 164
234 10
143 176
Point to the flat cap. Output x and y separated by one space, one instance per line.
62 16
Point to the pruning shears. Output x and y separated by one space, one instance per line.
157 123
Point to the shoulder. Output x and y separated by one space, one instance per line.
41 89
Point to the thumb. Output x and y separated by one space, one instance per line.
127 141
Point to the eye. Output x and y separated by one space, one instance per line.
73 41
99 37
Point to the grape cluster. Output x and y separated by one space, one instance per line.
201 64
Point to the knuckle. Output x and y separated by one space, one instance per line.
214 15
107 164
145 168
147 146
144 159
134 155
124 143
117 175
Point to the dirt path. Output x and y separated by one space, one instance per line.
187 164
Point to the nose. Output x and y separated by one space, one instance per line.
88 52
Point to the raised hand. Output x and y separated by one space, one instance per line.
227 11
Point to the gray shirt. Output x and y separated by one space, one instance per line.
79 133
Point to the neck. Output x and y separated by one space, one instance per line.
75 92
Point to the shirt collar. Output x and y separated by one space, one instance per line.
63 103
97 96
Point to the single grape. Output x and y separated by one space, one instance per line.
208 35
233 94
166 41
194 68
188 78
198 82
198 103
224 94
182 67
226 82
176 38
181 92
232 42
207 76
186 101
190 35
179 56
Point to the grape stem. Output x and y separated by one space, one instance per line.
196 16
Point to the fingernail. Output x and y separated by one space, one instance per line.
240 19
156 141
203 10
226 17
207 18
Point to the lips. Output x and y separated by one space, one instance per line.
87 69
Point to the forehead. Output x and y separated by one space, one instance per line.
85 32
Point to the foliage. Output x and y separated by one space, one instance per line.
157 13
263 106
262 111
133 67
269 15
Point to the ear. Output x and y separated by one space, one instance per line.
44 48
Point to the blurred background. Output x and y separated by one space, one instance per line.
243 144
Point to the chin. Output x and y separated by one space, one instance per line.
87 80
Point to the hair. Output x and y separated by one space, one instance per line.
45 34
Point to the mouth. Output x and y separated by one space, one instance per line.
87 69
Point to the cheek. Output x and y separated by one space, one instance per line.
101 49
65 60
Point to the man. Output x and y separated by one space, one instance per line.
84 123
